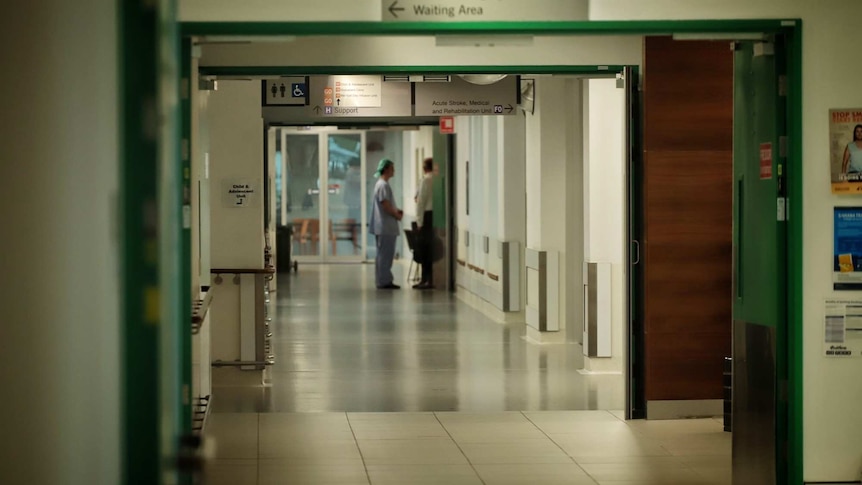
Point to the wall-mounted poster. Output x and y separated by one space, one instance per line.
845 150
842 329
847 253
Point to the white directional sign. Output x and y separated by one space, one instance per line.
353 91
482 10
461 98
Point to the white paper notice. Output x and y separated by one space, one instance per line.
241 193
842 329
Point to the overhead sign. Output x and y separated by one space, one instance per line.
394 103
432 99
462 98
286 91
482 10
352 91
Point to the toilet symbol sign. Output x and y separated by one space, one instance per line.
291 90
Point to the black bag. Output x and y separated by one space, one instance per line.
423 248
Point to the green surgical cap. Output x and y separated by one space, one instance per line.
382 166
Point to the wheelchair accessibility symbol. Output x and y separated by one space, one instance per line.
297 90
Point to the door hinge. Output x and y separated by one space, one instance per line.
782 85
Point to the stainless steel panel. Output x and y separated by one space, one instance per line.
592 309
753 405
503 248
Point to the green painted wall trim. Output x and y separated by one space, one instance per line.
141 292
343 70
795 295
486 28
186 239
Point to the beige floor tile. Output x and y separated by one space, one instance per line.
521 451
643 472
400 432
314 426
380 426
423 475
275 472
231 472
392 418
234 434
411 452
619 413
716 476
601 428
579 450
493 431
448 418
534 474
335 452
657 481
665 460
702 444
564 417
676 427
707 461
578 422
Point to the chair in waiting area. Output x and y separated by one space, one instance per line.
344 230
308 234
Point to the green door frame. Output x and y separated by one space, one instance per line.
790 28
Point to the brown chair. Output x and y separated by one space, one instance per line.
344 230
308 234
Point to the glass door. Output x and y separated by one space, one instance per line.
345 196
301 197
324 194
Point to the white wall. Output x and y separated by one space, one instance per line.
236 152
417 145
59 176
422 51
236 234
604 198
832 428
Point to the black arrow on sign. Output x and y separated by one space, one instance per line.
316 110
509 108
393 9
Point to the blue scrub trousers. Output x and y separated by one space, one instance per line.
383 262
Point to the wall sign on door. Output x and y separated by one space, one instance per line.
447 125
241 193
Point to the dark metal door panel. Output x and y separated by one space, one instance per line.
760 263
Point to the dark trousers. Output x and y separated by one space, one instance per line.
426 236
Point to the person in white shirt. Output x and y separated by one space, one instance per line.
425 221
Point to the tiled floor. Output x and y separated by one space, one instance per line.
407 387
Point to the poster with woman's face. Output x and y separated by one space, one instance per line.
845 150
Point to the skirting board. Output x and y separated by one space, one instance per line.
683 409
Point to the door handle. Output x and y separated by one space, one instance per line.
638 247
